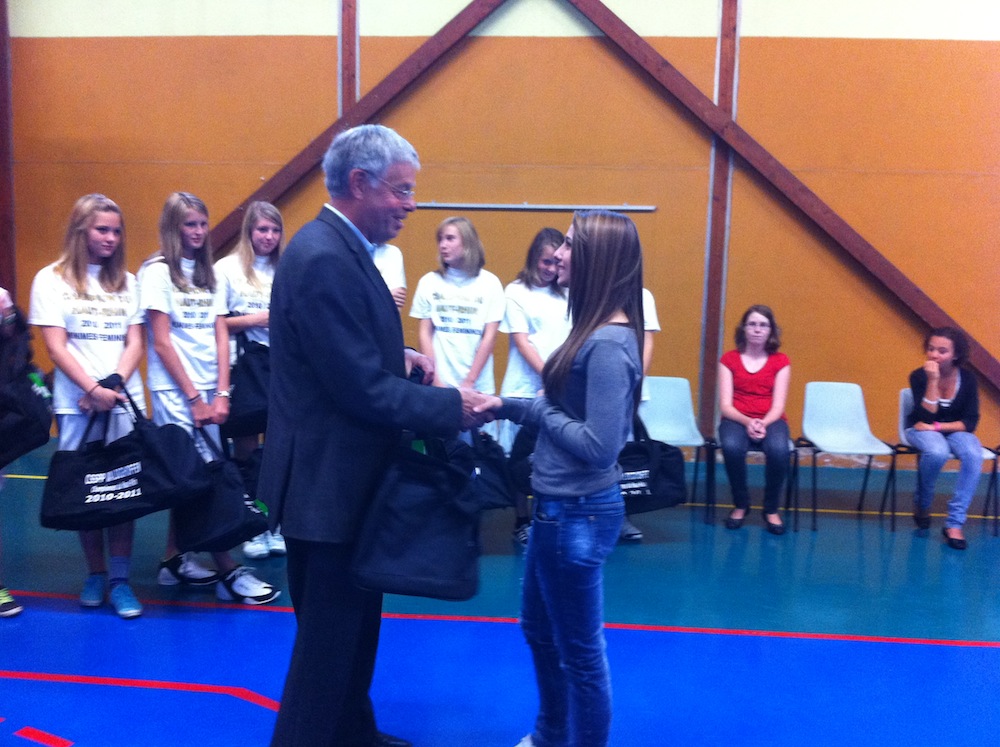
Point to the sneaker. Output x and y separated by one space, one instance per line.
124 601
93 590
521 534
183 568
256 548
526 742
8 605
630 532
240 585
276 543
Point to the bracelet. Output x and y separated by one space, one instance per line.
937 425
931 401
224 393
194 398
95 386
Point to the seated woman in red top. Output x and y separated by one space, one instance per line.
753 387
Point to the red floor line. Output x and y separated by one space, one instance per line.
236 692
42 737
719 631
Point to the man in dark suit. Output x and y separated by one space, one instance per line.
339 401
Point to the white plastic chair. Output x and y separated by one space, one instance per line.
905 447
835 421
668 415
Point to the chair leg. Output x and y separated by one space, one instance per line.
814 490
890 489
794 488
710 483
864 484
694 478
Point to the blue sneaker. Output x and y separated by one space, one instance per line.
93 590
124 601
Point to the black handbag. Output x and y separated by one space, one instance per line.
421 534
25 401
103 484
225 516
494 484
250 379
652 473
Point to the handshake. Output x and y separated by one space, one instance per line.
478 408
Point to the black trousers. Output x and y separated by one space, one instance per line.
325 702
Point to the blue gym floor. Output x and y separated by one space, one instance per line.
851 635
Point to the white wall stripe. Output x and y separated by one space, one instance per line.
873 19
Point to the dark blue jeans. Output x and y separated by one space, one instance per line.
562 615
736 442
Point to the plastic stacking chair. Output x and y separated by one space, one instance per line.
834 420
669 417
905 447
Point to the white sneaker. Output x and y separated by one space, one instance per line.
240 585
526 742
185 569
276 543
257 548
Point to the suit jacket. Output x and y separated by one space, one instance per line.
339 397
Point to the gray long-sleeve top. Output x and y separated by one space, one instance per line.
581 434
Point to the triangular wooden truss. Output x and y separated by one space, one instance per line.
678 88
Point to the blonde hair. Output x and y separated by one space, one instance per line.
257 211
72 264
171 248
473 252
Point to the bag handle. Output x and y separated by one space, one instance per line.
212 446
639 432
136 415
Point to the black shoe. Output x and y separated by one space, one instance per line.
387 740
773 528
955 543
922 518
732 523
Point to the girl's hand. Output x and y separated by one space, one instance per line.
100 399
220 410
933 370
201 412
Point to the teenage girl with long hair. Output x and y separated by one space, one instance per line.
592 385
188 370
87 308
459 306
245 277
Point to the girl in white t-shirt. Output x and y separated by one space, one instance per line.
537 319
188 369
459 306
245 277
87 309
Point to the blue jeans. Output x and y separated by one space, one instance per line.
736 442
936 448
562 615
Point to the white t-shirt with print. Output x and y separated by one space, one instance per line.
192 325
389 263
460 307
541 313
96 323
243 296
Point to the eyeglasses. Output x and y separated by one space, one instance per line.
400 192
758 325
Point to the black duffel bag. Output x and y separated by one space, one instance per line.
103 484
225 516
421 534
652 473
250 378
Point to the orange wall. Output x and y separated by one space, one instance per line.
899 137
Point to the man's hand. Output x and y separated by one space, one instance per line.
421 361
475 408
